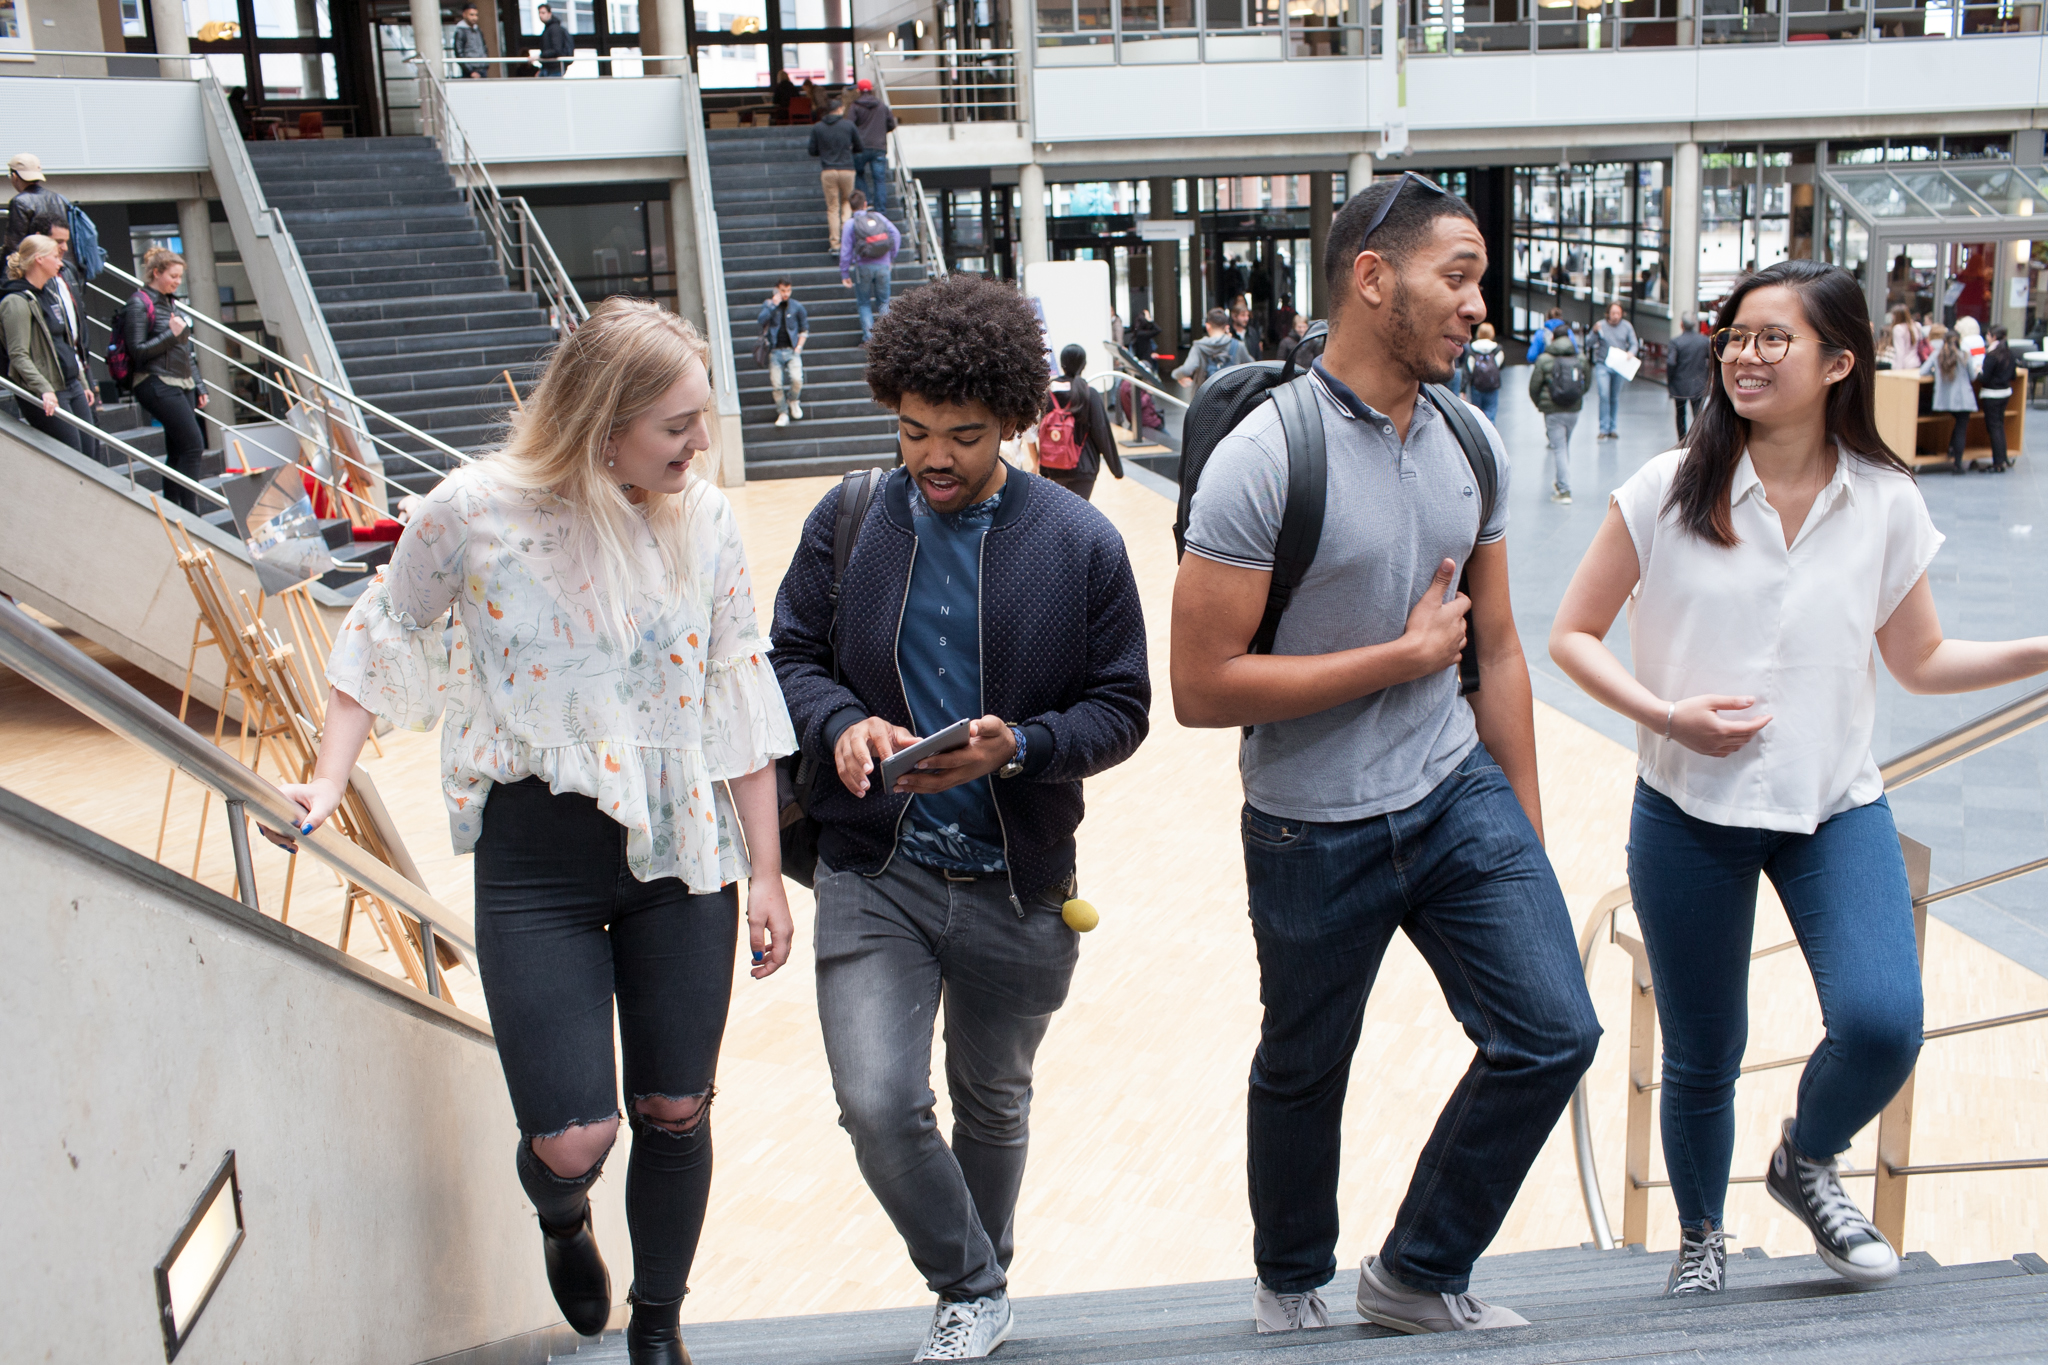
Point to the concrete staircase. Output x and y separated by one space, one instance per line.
771 223
1582 1305
421 313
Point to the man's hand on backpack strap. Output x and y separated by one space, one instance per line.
863 746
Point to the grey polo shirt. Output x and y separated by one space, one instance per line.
1394 511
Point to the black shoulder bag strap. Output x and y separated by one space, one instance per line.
1301 522
1478 454
856 493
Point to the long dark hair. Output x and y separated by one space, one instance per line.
1836 311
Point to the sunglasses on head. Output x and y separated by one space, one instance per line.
1388 207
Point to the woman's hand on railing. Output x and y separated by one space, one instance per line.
317 799
49 405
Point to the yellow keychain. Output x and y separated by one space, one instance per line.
1080 916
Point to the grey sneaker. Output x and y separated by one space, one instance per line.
1383 1300
1844 1238
967 1331
1288 1312
1561 495
1702 1262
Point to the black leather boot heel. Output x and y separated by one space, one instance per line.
654 1336
576 1273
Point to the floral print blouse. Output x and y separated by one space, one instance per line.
534 683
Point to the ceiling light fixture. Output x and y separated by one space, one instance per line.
189 1273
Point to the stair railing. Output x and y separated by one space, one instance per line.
343 408
46 659
952 85
516 236
725 374
1895 1166
135 457
908 188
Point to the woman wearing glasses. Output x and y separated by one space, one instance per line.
1758 563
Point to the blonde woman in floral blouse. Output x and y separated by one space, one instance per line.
608 713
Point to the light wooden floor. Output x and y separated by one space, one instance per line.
1137 1173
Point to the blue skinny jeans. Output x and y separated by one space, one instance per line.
1844 889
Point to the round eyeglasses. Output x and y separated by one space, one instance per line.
1771 343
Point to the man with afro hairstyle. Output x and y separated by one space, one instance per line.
977 592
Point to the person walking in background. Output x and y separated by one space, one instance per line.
874 121
469 43
785 325
1218 350
33 359
780 94
1758 566
1612 333
1292 339
1906 338
975 592
1686 366
1143 341
1074 439
555 43
867 260
835 142
1378 799
613 794
33 200
1246 331
1481 367
1995 382
1557 386
166 368
1551 323
63 300
1953 394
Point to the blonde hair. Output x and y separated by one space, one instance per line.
157 260
33 248
1485 332
602 378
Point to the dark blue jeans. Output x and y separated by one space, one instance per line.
871 177
1462 874
1844 889
871 294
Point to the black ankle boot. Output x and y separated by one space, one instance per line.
583 1287
654 1336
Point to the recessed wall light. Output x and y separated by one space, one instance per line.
189 1273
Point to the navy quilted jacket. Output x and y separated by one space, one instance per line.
1063 656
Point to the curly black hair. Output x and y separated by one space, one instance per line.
962 338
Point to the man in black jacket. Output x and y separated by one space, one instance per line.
33 199
836 142
555 42
874 121
975 591
1685 370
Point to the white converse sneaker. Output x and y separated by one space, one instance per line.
967 1331
781 419
1702 1262
796 411
1384 1300
1288 1312
1850 1244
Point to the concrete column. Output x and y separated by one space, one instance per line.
426 33
1030 216
662 30
1685 230
1357 173
682 254
171 39
1165 269
202 290
1319 214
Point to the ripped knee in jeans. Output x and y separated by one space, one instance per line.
679 1116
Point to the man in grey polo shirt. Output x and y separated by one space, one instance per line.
1376 797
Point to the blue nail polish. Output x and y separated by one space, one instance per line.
760 957
306 828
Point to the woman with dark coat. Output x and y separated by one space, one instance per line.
1091 426
167 382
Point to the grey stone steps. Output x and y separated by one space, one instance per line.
476 354
395 391
432 234
823 422
417 330
412 306
385 200
441 343
314 224
460 268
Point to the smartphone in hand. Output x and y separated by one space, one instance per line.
953 737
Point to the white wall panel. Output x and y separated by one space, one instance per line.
1195 100
78 125
571 120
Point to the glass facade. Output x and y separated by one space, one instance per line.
1449 26
1588 235
1149 31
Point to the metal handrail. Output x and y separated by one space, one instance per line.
910 189
339 392
566 308
117 443
44 658
1987 731
967 85
1141 382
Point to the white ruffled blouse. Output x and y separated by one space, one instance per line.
534 685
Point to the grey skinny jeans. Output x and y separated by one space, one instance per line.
891 949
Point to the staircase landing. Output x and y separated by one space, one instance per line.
1582 1305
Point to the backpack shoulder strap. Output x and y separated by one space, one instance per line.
1301 522
1479 455
856 494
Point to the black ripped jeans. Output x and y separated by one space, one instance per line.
564 931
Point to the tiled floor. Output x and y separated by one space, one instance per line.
1990 582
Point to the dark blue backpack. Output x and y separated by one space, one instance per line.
85 244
